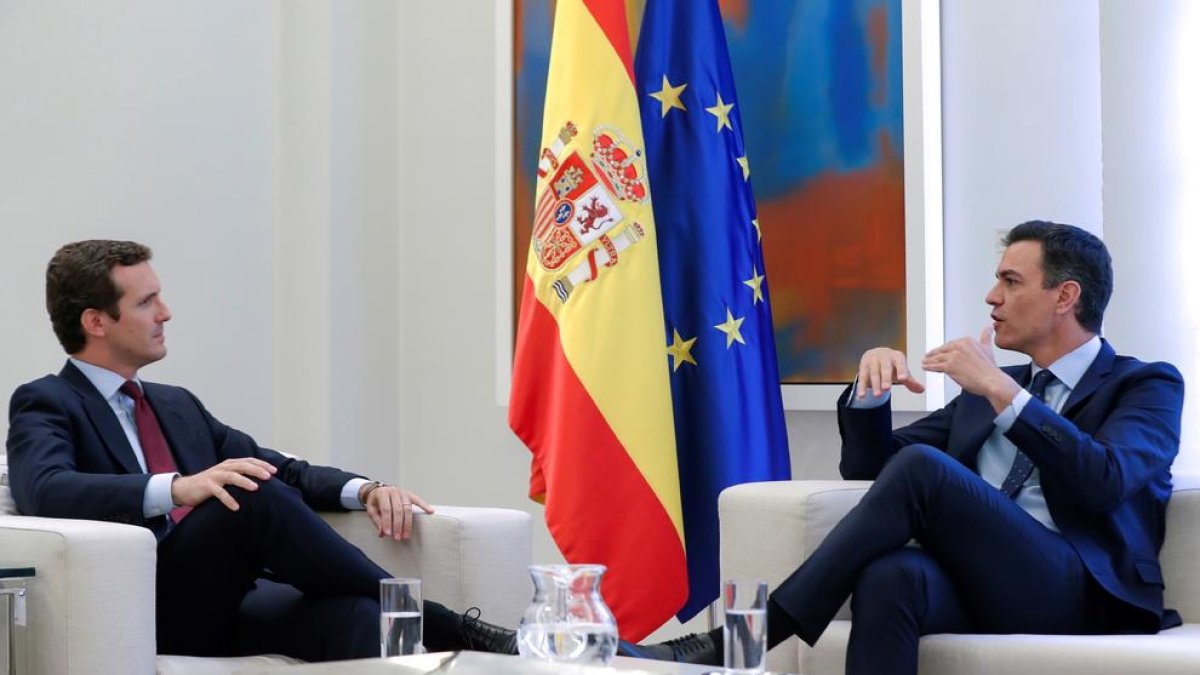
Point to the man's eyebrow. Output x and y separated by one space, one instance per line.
1008 274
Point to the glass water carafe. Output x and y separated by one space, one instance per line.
568 620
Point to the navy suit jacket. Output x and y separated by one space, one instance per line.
1104 463
69 457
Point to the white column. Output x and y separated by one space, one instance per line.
301 228
337 235
1151 83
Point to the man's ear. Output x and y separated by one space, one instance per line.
92 321
1069 293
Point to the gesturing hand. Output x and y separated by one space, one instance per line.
880 367
391 509
972 364
194 489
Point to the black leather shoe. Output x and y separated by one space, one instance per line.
481 636
696 648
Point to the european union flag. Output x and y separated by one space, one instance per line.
729 424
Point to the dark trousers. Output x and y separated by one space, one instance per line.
984 566
322 602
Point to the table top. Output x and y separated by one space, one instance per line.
479 663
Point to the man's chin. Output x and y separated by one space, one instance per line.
156 355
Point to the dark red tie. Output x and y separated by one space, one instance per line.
154 443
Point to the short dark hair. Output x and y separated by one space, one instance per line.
79 277
1070 253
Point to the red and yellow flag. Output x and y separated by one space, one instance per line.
591 396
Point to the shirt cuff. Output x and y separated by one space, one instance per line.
157 499
1005 419
868 401
350 493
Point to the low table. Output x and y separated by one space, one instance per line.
479 663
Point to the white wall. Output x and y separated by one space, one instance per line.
1021 135
1151 76
149 121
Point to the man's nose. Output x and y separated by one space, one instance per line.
164 313
993 296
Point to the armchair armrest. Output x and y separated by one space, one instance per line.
768 529
91 605
465 556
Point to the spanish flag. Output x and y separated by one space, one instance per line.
591 395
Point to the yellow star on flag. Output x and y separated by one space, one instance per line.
668 96
721 111
755 284
682 350
745 164
732 328
757 228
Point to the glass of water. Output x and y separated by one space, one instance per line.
745 605
400 617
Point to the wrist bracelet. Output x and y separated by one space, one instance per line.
366 490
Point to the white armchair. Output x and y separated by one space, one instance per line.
768 529
91 605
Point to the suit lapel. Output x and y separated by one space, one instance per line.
1092 379
981 418
103 417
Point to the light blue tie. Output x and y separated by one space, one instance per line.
1022 466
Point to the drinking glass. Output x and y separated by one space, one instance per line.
745 633
400 623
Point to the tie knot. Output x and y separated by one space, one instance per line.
132 390
1038 387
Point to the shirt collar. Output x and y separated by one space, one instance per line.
104 380
1070 368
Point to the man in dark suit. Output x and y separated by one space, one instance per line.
1037 496
245 565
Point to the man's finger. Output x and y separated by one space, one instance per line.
406 515
376 517
420 501
249 467
388 504
237 479
257 467
226 498
987 336
885 375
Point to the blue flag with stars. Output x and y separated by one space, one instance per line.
729 424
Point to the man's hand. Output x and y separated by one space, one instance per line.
194 489
391 509
879 368
972 364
